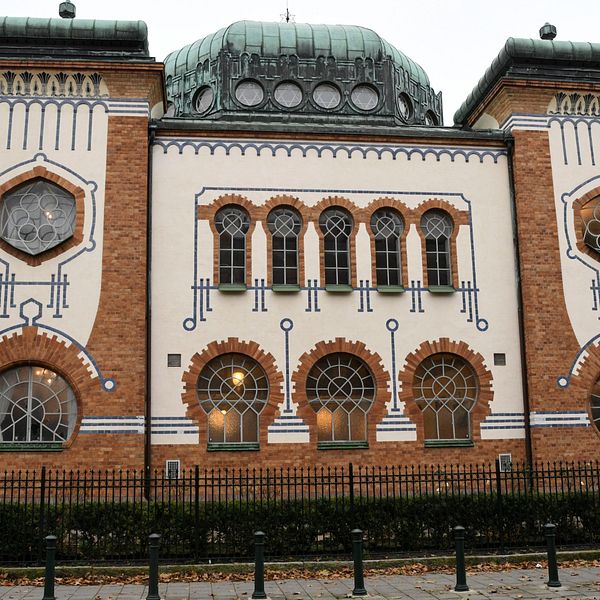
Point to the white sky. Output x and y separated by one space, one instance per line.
453 40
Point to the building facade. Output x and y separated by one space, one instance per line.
268 251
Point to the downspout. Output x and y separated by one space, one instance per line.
510 144
148 381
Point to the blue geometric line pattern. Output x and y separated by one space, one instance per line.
286 326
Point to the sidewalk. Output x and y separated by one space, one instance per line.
509 585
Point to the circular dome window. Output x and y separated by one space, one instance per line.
249 93
404 106
203 100
288 94
326 95
364 97
430 119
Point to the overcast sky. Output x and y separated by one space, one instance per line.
454 40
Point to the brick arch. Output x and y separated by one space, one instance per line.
40 172
232 345
34 346
358 349
458 217
208 212
582 383
462 349
304 211
407 217
356 214
578 223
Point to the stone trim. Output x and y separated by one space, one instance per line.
40 172
444 345
358 349
232 345
578 223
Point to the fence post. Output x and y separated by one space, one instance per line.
153 575
553 580
259 565
197 511
42 508
499 507
461 576
351 487
50 565
357 556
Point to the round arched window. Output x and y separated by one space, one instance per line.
232 224
204 100
327 95
233 390
595 404
387 227
341 389
284 224
36 405
37 216
364 97
445 388
436 226
288 94
404 106
590 216
249 93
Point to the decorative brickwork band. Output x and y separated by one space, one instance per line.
444 345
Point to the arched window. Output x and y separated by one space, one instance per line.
37 216
387 227
595 403
232 223
341 389
285 225
437 229
36 405
590 217
336 225
445 388
233 390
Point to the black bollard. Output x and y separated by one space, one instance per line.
259 565
50 564
461 575
357 556
153 575
553 580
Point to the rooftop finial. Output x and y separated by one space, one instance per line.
548 32
66 10
287 16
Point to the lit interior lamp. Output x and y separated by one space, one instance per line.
223 411
39 372
237 377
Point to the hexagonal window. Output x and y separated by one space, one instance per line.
288 94
590 217
326 95
364 97
249 93
37 216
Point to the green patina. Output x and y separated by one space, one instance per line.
344 42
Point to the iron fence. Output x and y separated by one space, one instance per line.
211 514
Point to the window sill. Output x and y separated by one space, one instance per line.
466 443
232 287
338 288
31 447
281 288
349 445
233 447
441 289
390 289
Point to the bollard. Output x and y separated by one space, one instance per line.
553 580
50 564
461 576
153 575
357 556
259 565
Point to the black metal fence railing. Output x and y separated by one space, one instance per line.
212 514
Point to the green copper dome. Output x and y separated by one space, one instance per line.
299 72
344 42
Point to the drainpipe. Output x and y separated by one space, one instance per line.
148 381
510 144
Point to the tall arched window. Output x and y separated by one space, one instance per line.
387 227
232 223
595 404
285 225
36 405
590 216
341 389
336 225
445 388
233 389
437 229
